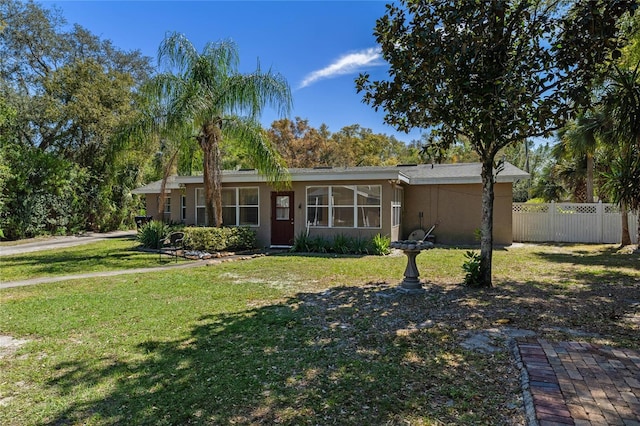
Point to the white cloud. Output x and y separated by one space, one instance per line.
346 64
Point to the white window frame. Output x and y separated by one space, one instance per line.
183 207
167 205
396 206
331 206
238 207
200 206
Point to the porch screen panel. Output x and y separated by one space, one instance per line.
350 206
369 206
318 205
343 203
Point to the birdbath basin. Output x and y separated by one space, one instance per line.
411 248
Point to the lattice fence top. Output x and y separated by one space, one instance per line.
576 209
530 208
565 208
611 209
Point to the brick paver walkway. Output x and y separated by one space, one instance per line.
576 383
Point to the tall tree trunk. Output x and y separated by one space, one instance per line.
590 167
486 227
165 176
624 214
210 144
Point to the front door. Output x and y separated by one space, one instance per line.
282 210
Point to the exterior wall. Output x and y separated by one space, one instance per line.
455 207
457 211
300 216
263 231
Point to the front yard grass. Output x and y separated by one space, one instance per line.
101 256
295 339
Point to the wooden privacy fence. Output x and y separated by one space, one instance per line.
570 223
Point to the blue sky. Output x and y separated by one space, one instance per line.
319 46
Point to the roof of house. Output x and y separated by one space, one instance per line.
420 174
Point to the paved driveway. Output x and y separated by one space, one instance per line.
62 242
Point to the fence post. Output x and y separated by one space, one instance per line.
552 220
600 221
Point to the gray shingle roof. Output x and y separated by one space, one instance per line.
421 174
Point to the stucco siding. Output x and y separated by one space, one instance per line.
456 209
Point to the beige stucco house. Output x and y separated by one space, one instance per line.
355 201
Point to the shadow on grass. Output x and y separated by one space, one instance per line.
71 262
607 256
351 355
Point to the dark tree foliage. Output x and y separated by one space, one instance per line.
70 91
492 71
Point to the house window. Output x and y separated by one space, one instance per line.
282 207
183 208
167 206
344 206
396 206
201 215
240 206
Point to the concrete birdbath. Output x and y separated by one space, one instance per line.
411 248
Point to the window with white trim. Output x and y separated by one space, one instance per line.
396 206
201 213
344 206
167 205
183 207
240 206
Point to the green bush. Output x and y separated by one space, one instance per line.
151 234
380 245
341 244
301 244
220 239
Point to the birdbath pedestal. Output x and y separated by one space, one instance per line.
411 249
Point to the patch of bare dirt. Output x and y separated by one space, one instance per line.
8 345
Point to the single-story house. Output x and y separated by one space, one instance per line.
354 201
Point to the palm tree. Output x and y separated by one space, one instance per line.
622 103
578 140
206 91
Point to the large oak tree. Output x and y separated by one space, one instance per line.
495 72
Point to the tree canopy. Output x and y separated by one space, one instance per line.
493 71
69 91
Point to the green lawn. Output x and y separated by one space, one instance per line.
101 256
295 339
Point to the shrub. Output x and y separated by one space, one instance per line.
341 244
220 239
151 234
319 244
380 245
359 245
471 266
301 244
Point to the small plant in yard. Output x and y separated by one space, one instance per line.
301 243
380 244
471 266
342 244
151 234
